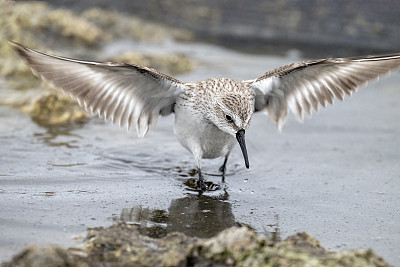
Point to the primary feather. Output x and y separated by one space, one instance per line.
304 86
123 93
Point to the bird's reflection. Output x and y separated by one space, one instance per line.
201 216
150 222
274 234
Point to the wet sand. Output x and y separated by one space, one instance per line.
336 176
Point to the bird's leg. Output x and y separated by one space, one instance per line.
201 183
223 168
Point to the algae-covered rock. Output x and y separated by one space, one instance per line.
69 25
39 26
232 244
42 27
45 257
172 64
123 245
46 107
243 247
122 26
32 21
236 246
54 108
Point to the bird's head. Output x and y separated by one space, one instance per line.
232 114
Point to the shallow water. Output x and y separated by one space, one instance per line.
336 176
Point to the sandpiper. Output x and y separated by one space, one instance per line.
209 114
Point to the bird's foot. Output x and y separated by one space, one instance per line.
200 183
202 186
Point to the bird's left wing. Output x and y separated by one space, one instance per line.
306 85
123 93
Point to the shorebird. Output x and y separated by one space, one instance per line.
210 115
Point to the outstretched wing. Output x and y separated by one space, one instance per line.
306 85
123 93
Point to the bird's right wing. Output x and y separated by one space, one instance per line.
123 93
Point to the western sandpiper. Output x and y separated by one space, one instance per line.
209 114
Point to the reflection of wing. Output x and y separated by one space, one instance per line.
305 85
120 92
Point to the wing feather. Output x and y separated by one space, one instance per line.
304 86
123 93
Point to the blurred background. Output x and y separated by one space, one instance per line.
335 28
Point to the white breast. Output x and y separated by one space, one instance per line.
199 137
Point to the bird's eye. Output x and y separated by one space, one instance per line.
228 118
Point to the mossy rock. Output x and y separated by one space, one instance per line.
42 27
123 245
122 26
45 257
55 108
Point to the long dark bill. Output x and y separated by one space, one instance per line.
242 143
